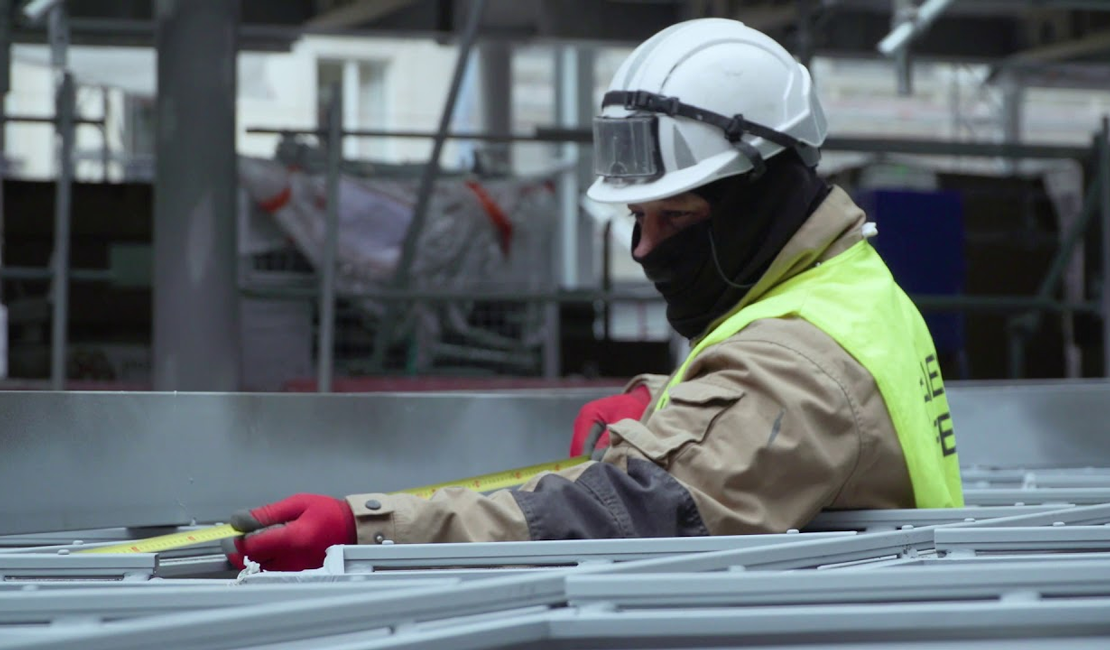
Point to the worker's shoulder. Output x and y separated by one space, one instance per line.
793 333
798 339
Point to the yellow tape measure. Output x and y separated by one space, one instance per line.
484 483
497 480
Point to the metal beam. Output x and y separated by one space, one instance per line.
355 13
907 30
1088 45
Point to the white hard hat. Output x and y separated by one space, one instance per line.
701 100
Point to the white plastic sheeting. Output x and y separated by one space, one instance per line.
480 236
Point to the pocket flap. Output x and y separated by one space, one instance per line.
686 419
704 393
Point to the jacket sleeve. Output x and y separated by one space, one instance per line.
759 439
654 383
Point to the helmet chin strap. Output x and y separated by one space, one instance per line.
717 265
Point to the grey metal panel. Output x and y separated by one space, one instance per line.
799 555
28 607
86 460
807 624
420 576
83 460
810 554
1032 496
135 565
310 618
562 552
1045 538
938 583
1032 424
875 520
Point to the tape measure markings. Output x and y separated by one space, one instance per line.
482 483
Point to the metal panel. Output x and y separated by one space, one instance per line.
136 566
877 520
29 607
351 559
1055 538
85 460
1032 424
1031 496
311 618
939 583
65 452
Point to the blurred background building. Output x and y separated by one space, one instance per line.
194 193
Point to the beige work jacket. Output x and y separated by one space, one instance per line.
771 426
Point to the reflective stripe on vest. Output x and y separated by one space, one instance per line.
853 298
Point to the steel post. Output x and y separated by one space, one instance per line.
1104 202
496 60
428 180
62 196
326 333
196 300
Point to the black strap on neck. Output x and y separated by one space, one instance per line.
734 127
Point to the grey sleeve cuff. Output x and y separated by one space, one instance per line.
606 502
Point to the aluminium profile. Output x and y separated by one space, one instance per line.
938 582
1036 496
131 566
368 558
877 520
1062 538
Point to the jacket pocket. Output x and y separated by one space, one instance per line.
686 419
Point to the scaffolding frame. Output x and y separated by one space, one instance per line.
1027 310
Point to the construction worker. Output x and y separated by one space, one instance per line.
812 382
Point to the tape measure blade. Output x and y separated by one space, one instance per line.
169 542
497 480
482 483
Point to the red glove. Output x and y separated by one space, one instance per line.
590 427
292 534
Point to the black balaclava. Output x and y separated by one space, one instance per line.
704 270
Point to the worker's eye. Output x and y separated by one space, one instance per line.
677 217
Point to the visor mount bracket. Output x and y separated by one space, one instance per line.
647 101
736 128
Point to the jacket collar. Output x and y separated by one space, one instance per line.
834 227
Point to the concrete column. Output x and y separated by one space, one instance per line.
196 301
496 72
1013 108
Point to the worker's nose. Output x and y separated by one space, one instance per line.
651 233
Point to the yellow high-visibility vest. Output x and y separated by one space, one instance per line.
853 298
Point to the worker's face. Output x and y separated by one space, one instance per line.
660 219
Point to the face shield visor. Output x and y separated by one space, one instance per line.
626 149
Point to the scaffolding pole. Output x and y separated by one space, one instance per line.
62 199
1104 203
427 181
326 334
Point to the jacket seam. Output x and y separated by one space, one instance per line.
853 407
529 514
690 513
